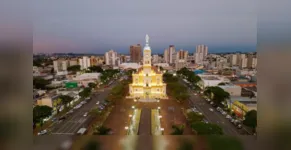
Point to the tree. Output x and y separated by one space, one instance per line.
178 129
92 85
251 119
92 145
95 69
41 112
217 94
40 83
194 117
74 68
66 99
102 130
206 128
85 93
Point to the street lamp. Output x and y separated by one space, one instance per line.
159 108
160 116
132 107
130 115
162 129
126 128
135 100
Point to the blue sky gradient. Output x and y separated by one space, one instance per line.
92 26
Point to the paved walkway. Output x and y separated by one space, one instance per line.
145 122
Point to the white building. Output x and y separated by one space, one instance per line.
111 58
211 80
155 59
60 65
124 66
172 54
201 53
164 65
87 76
84 62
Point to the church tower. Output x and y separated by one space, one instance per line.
147 56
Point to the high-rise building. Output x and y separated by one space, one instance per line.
122 58
93 61
201 53
166 56
155 59
135 53
254 62
84 62
182 54
181 59
172 54
73 62
111 58
60 65
233 59
243 61
250 60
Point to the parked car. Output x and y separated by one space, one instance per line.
228 117
231 120
42 132
85 115
223 113
210 109
239 126
211 103
98 102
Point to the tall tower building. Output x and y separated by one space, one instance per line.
135 53
171 53
201 53
166 56
111 58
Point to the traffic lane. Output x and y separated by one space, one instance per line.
72 123
215 116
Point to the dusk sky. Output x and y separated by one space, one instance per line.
95 26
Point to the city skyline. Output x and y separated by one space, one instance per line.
94 28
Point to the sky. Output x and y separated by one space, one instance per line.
96 26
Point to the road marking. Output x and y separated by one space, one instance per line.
64 133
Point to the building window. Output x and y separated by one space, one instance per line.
158 89
147 75
135 89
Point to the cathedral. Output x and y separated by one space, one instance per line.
147 81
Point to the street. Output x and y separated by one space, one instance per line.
76 120
212 117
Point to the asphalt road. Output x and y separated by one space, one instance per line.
77 120
212 117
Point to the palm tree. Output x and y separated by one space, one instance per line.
102 130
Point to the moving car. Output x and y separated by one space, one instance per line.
85 115
98 102
210 109
228 117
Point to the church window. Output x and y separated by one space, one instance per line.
147 84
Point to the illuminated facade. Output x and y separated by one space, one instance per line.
147 81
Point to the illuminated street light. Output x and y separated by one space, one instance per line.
158 100
126 128
130 115
159 107
132 107
160 116
135 100
174 74
162 129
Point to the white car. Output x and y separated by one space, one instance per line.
42 132
223 112
98 102
210 109
195 94
85 115
228 117
211 103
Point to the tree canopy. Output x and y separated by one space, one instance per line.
102 130
178 129
206 128
190 76
251 119
85 93
74 68
40 83
41 112
194 117
95 69
65 99
217 94
92 85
